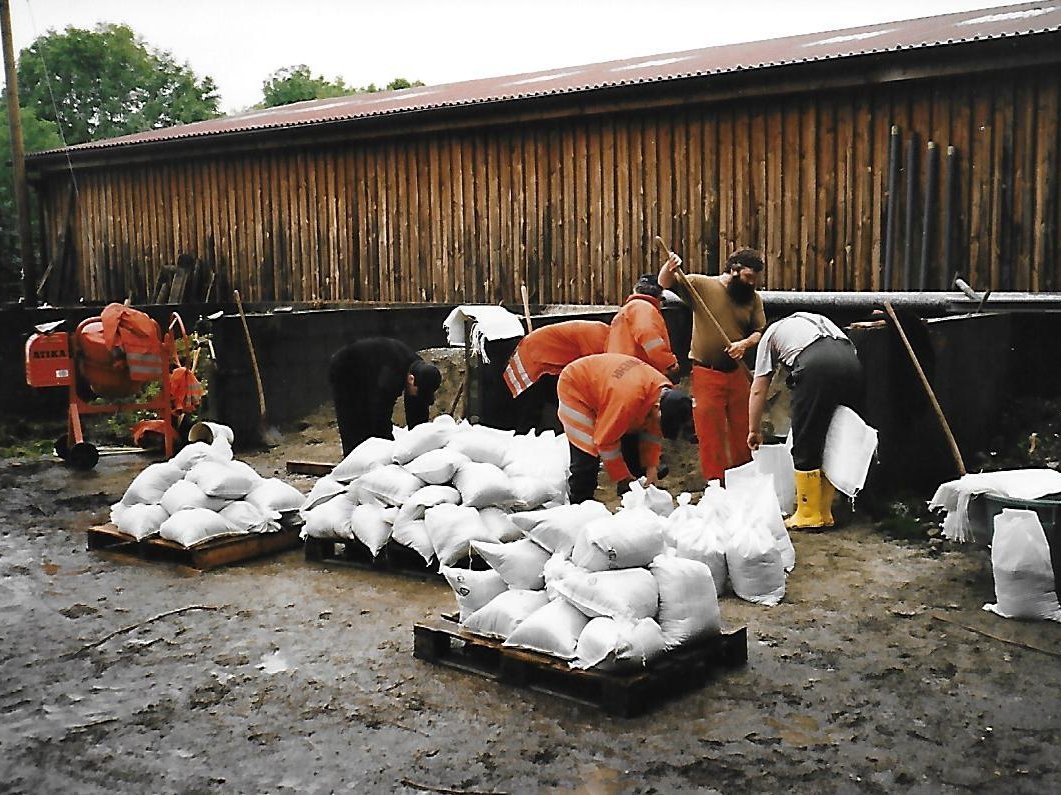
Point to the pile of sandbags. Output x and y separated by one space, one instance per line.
203 493
437 488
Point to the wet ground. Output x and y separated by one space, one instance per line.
878 673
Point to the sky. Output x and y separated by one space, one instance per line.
240 43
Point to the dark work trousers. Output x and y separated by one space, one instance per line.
826 374
630 446
582 481
529 408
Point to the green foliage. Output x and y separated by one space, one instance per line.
108 82
297 84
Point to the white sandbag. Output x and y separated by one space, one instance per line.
422 499
472 588
249 518
192 454
850 445
452 528
754 563
483 485
371 527
371 453
414 536
530 492
688 601
330 519
211 432
390 484
631 537
500 522
654 498
231 480
716 506
610 644
273 494
545 457
323 490
360 496
437 467
1020 562
692 536
195 526
552 629
152 482
623 593
775 460
754 502
557 529
481 444
139 521
422 439
185 494
499 617
520 563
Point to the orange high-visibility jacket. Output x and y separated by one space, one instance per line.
138 336
603 398
549 349
638 330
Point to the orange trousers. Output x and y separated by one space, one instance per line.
720 417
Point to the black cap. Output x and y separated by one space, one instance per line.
427 379
676 409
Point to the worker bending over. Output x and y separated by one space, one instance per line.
638 328
824 372
719 384
368 376
538 359
605 396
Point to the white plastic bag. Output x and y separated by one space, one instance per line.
775 460
552 629
623 593
371 453
473 589
631 537
437 467
452 528
754 563
1020 562
149 486
688 601
693 536
608 644
520 563
499 617
195 526
139 521
655 499
483 485
754 502
849 448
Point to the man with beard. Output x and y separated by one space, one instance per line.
719 388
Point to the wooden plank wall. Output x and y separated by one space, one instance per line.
571 206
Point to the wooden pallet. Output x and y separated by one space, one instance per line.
315 468
393 558
206 556
442 641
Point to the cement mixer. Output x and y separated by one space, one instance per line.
107 358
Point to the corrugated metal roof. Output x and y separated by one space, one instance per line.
949 29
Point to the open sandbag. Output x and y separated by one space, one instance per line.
414 536
371 453
472 588
273 494
452 528
692 536
371 525
330 519
139 521
623 593
391 484
437 467
611 644
194 526
249 518
152 482
483 485
184 494
1020 562
192 454
520 563
557 529
652 497
754 501
688 602
754 564
499 617
631 537
552 629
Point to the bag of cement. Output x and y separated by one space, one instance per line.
427 497
231 480
414 536
655 499
623 593
185 494
139 521
472 588
192 454
149 486
330 519
850 445
1020 562
323 490
755 502
692 536
272 494
530 492
371 453
775 461
249 518
390 484
688 601
481 444
372 526
557 529
437 467
500 522
754 563
195 526
483 485
520 563
632 537
611 644
499 617
452 528
551 629
422 439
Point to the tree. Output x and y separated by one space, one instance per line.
297 84
107 82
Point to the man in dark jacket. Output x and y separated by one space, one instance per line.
368 376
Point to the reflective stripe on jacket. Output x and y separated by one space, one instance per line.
549 349
137 335
638 330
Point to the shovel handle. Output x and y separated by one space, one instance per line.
526 307
254 357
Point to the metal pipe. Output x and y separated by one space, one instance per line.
911 210
781 302
891 206
931 179
949 184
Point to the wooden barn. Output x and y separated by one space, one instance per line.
876 158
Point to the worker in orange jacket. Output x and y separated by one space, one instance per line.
638 328
538 359
606 396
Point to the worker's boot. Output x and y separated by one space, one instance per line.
808 513
828 492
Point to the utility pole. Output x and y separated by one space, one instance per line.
18 159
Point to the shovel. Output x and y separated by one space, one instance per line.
267 434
